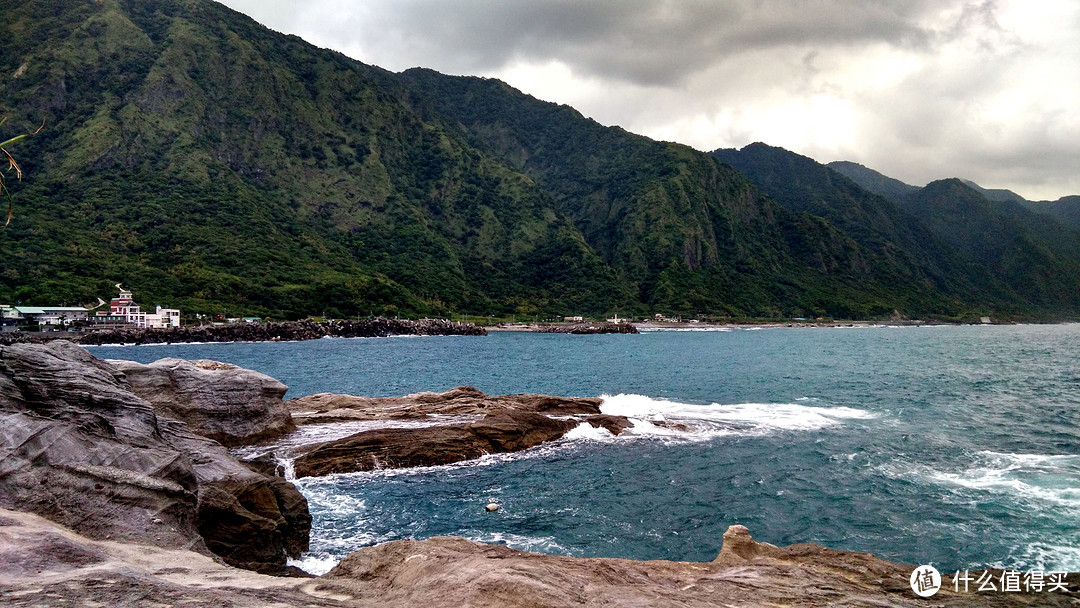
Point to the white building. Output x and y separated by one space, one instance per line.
45 315
162 318
125 310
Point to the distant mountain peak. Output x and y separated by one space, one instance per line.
995 194
873 181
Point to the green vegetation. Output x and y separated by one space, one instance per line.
13 166
216 166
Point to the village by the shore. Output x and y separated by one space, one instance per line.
125 322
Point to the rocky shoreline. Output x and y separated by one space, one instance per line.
256 332
116 489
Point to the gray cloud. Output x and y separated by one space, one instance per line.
918 89
641 41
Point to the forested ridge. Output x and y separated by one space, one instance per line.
219 167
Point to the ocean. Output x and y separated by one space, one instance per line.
951 446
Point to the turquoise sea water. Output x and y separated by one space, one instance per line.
956 446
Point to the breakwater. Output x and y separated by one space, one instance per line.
602 328
257 332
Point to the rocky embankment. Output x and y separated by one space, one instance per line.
481 424
257 332
586 329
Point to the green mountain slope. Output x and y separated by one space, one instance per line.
871 180
990 252
1035 259
1065 210
899 245
211 164
657 210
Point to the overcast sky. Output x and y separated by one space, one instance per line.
916 89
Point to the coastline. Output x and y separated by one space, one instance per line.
98 550
690 326
288 331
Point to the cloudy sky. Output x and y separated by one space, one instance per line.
917 89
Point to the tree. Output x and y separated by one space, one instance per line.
12 166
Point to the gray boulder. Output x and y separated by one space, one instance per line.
78 447
229 404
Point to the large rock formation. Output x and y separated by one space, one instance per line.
230 404
78 447
251 520
394 448
460 401
506 423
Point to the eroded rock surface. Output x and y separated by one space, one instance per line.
463 400
43 565
505 431
227 403
446 571
78 447
508 423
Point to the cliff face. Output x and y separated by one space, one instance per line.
79 447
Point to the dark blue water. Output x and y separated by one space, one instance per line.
956 446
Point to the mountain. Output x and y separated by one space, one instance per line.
1065 210
995 252
871 180
898 244
1037 260
995 194
214 165
208 162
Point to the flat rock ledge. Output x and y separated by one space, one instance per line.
44 564
507 423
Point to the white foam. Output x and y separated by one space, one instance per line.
535 544
315 564
1039 478
586 431
1049 557
672 418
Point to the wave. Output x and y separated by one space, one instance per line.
673 419
1037 478
1048 557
